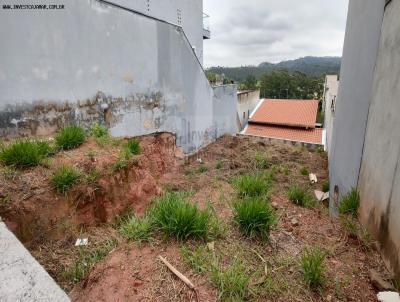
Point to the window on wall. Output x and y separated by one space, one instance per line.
333 104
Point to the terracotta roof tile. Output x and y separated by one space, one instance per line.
296 113
312 136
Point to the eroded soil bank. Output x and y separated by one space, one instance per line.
49 223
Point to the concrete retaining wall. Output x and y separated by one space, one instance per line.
379 181
21 276
94 62
359 56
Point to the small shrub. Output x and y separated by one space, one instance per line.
203 168
70 137
63 178
219 165
254 216
325 186
232 282
133 146
350 225
312 267
24 153
251 185
304 171
260 162
200 258
350 203
122 161
93 176
98 131
174 216
300 196
138 229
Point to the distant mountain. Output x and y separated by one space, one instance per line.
312 66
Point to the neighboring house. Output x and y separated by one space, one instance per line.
247 101
365 151
287 120
328 106
133 66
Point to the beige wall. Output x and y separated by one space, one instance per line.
247 102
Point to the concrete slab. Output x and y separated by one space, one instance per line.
22 278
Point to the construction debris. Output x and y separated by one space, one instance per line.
321 196
313 178
82 242
388 297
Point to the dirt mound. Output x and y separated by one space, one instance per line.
33 210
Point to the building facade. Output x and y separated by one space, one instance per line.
331 87
246 102
133 66
366 140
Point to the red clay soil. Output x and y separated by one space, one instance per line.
132 272
34 209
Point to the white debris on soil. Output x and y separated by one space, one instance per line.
321 196
389 297
82 242
313 178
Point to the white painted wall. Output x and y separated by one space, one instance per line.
329 103
247 102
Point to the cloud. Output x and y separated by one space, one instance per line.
254 31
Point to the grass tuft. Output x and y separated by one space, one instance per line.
260 162
86 260
133 146
200 258
350 203
98 131
305 171
63 178
325 186
70 137
174 216
300 196
203 168
219 165
312 267
251 185
232 282
24 153
254 216
137 229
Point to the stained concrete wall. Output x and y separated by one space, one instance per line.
329 104
247 102
21 276
379 181
356 77
95 62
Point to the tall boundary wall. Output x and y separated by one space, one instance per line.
96 62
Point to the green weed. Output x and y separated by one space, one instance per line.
137 229
312 267
251 185
300 196
63 178
70 137
133 146
350 203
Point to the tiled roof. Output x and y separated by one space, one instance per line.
312 136
296 113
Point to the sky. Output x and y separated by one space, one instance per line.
249 32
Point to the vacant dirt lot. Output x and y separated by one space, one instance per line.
112 268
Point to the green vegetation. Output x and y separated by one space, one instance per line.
232 282
119 164
199 259
203 168
300 196
254 216
133 146
251 185
63 178
350 225
93 176
24 153
175 216
98 131
86 260
260 162
312 267
305 171
219 165
350 203
325 186
70 137
137 229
